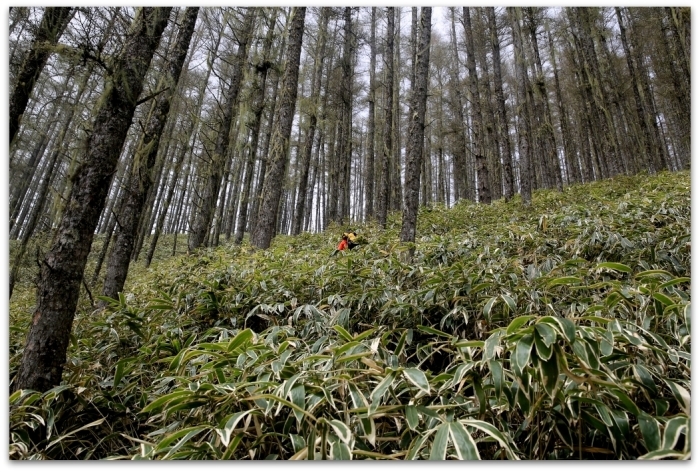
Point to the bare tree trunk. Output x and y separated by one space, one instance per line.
501 107
369 166
482 175
524 132
416 131
383 200
63 267
53 23
266 223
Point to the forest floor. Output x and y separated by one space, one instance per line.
561 330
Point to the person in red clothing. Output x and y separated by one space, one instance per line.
343 244
348 242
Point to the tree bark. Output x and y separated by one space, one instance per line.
387 151
369 161
279 154
63 267
416 131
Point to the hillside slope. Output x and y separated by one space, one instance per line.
556 331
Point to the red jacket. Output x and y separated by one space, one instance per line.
343 245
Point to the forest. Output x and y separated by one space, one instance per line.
518 179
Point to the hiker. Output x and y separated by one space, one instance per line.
348 242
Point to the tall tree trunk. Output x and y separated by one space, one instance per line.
63 267
369 166
279 155
387 151
416 131
524 131
205 215
144 160
482 173
53 23
463 183
501 107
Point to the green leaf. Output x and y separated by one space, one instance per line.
417 378
342 430
412 417
614 266
358 399
510 302
240 339
666 301
464 444
154 405
429 330
119 372
522 352
547 333
378 392
343 333
674 428
298 397
489 306
497 375
544 351
438 450
662 454
680 394
492 342
549 370
649 428
564 281
492 431
189 433
626 401
232 421
644 377
340 451
517 323
565 326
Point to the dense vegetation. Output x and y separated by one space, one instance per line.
561 330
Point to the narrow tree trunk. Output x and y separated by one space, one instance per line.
524 132
387 151
416 131
369 162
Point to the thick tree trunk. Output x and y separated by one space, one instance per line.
279 154
63 267
205 215
462 182
145 158
53 23
416 131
